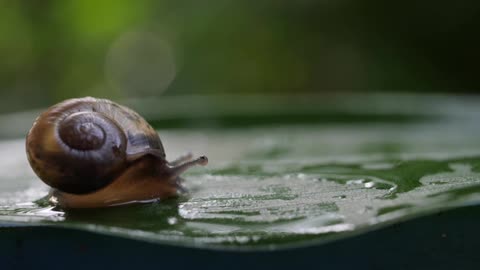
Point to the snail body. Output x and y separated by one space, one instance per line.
97 153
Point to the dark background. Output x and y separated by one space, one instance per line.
119 49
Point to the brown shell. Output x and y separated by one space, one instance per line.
94 161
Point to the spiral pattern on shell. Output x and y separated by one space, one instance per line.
81 145
83 131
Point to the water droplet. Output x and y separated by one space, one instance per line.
172 220
369 184
301 176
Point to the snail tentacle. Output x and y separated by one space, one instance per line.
181 159
177 170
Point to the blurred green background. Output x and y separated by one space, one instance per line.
52 50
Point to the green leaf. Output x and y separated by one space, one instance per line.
279 186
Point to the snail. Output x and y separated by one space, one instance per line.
96 153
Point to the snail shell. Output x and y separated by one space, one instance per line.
81 147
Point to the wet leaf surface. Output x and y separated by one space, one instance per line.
278 185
